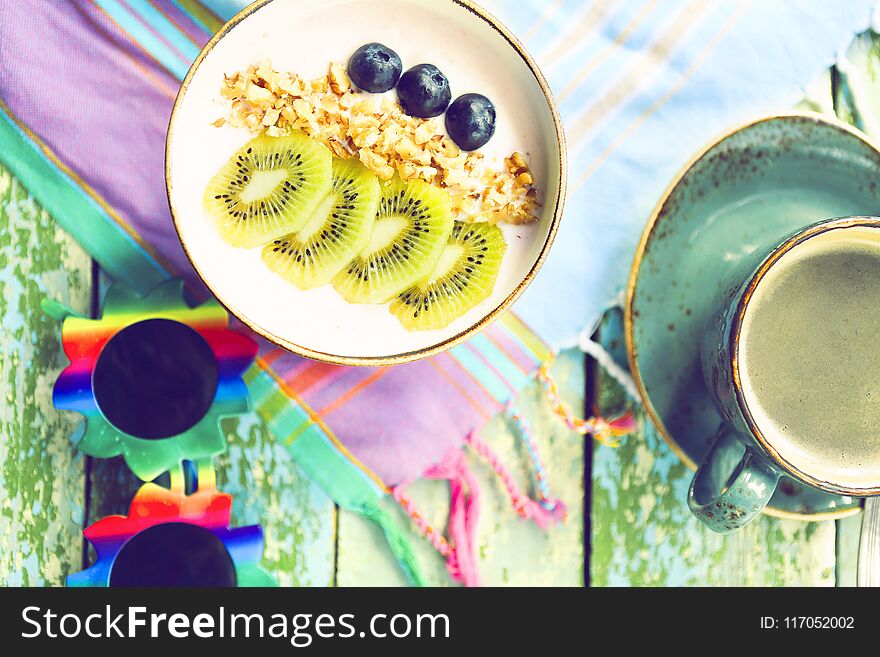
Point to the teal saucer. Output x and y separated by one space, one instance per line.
744 191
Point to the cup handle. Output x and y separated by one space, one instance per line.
731 486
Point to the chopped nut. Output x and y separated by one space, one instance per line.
424 133
271 117
376 164
330 104
365 138
233 86
382 136
407 170
339 149
472 160
406 148
347 100
252 122
449 148
338 79
258 95
427 173
453 177
525 178
302 108
266 76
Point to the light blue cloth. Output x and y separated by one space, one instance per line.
725 63
643 84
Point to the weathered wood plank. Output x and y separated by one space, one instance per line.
644 535
298 519
41 477
269 489
848 531
511 551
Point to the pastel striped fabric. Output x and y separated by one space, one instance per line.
87 88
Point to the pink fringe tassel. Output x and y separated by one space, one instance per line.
464 490
464 512
526 507
464 509
464 494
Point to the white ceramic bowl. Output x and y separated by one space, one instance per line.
475 52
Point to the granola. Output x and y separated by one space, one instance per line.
383 137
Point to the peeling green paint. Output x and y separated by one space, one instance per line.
644 535
41 478
298 519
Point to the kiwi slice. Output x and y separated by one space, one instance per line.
412 227
464 275
338 229
269 188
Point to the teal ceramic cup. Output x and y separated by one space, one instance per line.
777 420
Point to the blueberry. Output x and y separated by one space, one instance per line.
424 91
374 68
470 121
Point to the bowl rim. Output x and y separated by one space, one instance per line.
648 232
488 318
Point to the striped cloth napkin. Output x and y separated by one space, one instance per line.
86 88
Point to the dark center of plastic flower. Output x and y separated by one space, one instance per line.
155 379
173 554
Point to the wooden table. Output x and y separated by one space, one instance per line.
627 502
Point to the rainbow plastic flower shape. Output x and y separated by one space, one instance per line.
128 556
153 376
